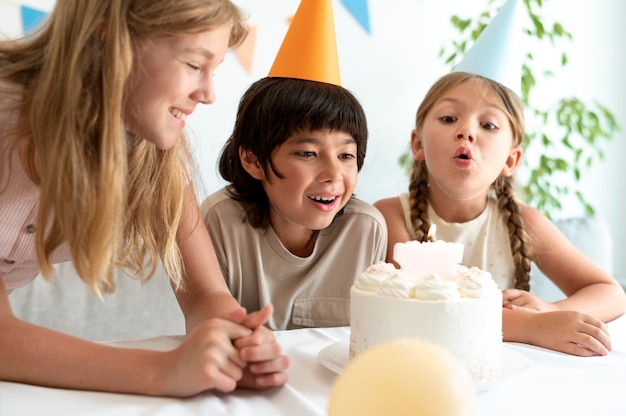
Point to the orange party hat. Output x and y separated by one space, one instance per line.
309 50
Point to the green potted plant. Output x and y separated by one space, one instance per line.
568 135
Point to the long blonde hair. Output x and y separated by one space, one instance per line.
116 199
502 186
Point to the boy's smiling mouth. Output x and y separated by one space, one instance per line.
323 199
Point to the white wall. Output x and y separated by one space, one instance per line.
390 69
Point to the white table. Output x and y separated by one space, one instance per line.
554 384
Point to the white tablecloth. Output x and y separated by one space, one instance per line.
554 384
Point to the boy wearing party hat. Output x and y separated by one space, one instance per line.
287 229
466 147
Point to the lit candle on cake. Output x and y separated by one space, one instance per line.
418 260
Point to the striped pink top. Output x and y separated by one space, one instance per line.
19 200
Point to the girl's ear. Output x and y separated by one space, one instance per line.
416 145
251 164
512 162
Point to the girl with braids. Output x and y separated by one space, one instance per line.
94 167
466 147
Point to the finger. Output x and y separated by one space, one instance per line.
217 342
597 329
271 380
263 381
510 294
602 325
233 353
588 351
219 369
600 333
259 336
258 318
235 356
225 376
222 382
220 333
591 343
271 366
518 308
230 367
580 350
232 330
261 352
237 315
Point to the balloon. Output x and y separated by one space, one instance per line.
406 376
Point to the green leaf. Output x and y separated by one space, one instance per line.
558 29
561 164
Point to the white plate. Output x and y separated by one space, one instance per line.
335 357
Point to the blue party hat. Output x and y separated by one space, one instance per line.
497 53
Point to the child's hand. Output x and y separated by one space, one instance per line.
571 332
521 299
207 359
266 365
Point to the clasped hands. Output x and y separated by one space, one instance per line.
224 353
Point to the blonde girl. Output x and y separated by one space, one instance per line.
94 167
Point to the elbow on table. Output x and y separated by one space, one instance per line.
618 307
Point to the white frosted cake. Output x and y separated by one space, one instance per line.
460 311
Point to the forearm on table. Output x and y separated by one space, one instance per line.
36 355
516 325
602 300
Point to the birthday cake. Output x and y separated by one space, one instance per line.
432 297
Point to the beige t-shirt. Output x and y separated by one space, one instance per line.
311 291
485 238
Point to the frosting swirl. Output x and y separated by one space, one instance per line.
384 279
474 282
396 287
371 279
435 288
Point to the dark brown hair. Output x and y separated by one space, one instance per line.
271 111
